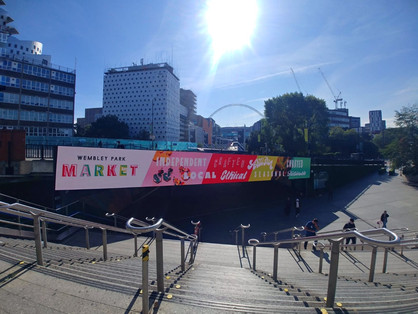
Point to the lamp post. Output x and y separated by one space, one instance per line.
152 136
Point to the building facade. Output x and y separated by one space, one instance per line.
35 95
90 116
376 124
145 97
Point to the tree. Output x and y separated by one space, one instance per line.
407 120
343 142
143 135
400 145
296 124
108 127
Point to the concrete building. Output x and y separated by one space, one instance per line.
35 95
90 116
187 112
376 124
145 97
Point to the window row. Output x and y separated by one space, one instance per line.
35 101
42 131
37 71
37 86
36 116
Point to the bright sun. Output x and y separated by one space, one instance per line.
230 24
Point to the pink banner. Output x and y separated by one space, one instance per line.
81 168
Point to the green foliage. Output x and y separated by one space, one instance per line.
108 127
288 116
143 135
400 145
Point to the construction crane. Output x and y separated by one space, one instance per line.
336 98
296 80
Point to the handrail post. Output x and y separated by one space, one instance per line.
275 235
254 256
145 258
372 264
87 238
104 240
38 244
402 237
242 240
183 265
385 260
44 235
275 262
236 237
160 261
333 272
321 259
135 245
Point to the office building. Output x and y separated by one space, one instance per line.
35 95
145 97
90 116
187 112
376 124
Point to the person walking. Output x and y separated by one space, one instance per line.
349 226
311 228
384 218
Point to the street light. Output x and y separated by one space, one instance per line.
152 136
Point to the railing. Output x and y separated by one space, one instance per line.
43 217
40 151
159 227
242 229
335 238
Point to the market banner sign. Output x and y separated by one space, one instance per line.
81 168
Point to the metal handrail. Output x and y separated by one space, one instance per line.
40 216
339 234
336 239
24 210
159 228
145 228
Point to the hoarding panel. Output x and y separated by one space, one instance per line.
81 168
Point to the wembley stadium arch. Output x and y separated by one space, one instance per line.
236 105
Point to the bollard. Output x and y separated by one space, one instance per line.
145 258
333 272
275 262
160 260
373 264
38 244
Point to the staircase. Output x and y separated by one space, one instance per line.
220 281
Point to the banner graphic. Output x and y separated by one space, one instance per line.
80 168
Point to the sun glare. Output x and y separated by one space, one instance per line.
230 24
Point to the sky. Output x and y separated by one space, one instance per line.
367 50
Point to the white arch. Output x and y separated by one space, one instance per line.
236 105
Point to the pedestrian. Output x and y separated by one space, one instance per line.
297 206
311 228
287 206
349 226
384 218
